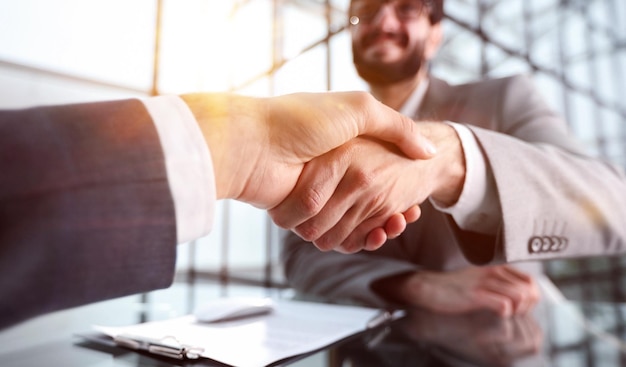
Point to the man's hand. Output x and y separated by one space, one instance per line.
479 337
358 186
259 145
501 289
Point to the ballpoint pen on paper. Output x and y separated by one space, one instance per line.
384 316
378 319
168 346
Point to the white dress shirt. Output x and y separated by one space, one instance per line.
189 166
478 207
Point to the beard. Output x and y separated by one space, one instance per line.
379 73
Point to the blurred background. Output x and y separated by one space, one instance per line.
82 50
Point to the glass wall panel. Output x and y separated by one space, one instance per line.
304 24
503 21
501 64
466 11
343 74
460 57
93 40
214 45
306 73
543 35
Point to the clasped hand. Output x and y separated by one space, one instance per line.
340 169
365 191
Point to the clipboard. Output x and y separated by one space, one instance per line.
293 328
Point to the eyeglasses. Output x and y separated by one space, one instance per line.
405 10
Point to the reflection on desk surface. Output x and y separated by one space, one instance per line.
565 335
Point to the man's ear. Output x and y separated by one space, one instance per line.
433 42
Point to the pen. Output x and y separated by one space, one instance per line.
379 319
158 346
377 337
384 316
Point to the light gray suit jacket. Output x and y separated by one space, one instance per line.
86 212
556 201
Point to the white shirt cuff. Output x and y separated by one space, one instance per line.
188 164
478 207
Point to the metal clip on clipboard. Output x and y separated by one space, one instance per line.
169 346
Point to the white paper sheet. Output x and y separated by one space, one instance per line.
293 328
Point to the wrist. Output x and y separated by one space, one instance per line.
233 134
449 163
397 288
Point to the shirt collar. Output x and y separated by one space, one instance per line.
412 104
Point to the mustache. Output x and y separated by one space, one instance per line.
372 37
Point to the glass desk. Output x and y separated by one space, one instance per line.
566 334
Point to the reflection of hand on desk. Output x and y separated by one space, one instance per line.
481 337
425 338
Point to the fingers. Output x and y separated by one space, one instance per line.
519 288
350 234
386 124
495 302
394 227
316 185
375 239
341 197
529 335
337 219
526 288
412 214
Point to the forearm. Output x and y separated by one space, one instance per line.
416 288
401 289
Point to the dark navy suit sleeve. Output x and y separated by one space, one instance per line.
86 213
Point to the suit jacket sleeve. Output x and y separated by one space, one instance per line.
86 212
556 200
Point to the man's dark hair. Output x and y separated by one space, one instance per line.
435 10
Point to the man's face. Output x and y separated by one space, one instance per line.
391 40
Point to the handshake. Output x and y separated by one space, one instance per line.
341 170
